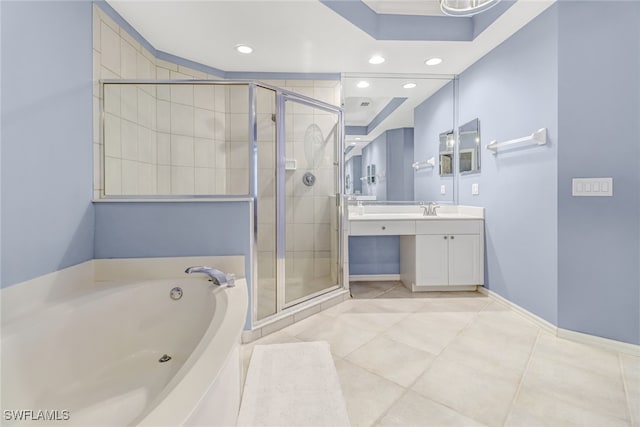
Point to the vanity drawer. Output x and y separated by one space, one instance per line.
449 227
382 228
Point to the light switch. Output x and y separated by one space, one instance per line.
474 189
443 190
602 187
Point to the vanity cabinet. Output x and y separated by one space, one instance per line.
443 255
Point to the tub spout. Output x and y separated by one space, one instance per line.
217 277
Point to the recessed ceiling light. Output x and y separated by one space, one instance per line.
409 85
376 59
243 48
352 144
358 138
433 61
362 84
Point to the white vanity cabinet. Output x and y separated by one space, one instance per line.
443 255
444 252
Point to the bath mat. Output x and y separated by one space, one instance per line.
292 385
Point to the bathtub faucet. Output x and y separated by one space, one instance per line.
217 277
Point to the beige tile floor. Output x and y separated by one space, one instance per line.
461 359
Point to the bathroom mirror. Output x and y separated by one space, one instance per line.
469 148
447 143
392 121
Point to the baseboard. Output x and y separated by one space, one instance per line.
619 346
374 277
539 321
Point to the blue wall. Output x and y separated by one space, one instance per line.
399 179
513 91
599 110
47 152
173 229
431 118
374 255
375 153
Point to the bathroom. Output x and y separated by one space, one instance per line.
570 261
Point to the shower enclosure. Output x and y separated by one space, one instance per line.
298 199
237 140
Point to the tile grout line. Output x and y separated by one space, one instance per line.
409 387
626 391
524 373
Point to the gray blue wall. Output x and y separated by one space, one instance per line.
599 111
399 179
375 153
431 118
514 91
170 229
573 261
47 153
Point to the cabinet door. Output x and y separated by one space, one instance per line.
432 260
465 259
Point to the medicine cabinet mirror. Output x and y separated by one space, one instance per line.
447 143
469 149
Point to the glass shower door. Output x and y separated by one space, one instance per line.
311 182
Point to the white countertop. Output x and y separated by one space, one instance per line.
413 212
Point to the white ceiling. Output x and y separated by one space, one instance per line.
305 36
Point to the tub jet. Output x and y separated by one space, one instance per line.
164 358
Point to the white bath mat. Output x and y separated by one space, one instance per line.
292 385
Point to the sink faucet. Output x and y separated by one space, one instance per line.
217 276
430 209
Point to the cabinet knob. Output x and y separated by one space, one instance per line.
446 237
384 228
452 237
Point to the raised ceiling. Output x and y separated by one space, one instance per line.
339 37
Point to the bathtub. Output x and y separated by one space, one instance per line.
98 357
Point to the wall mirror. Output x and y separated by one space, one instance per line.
392 121
469 148
445 151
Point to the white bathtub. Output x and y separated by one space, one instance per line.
96 355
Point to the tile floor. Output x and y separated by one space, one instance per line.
462 359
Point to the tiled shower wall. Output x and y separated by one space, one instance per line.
163 139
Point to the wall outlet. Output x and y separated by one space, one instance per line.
443 190
474 189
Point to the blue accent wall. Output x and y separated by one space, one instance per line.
375 153
374 255
430 119
173 229
47 152
399 179
599 136
513 90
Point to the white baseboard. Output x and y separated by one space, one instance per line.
622 347
539 321
374 277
